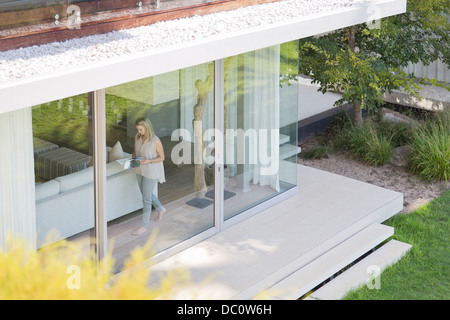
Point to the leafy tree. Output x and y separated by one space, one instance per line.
363 62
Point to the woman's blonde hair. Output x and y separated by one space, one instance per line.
149 133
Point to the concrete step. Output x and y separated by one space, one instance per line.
318 270
389 209
364 272
283 138
288 150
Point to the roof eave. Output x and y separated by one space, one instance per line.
47 87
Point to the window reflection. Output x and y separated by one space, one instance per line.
260 122
62 145
180 107
177 201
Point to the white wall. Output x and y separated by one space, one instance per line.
311 101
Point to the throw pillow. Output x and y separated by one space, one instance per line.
116 152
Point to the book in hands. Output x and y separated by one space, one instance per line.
130 162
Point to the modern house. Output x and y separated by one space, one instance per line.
217 79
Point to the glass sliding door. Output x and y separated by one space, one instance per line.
260 113
63 170
288 115
161 134
164 119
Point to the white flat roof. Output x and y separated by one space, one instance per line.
39 74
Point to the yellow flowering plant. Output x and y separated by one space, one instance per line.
65 272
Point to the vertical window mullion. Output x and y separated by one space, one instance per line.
219 143
99 130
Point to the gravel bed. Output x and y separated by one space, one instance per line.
416 192
34 60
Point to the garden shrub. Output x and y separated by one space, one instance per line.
316 152
65 272
365 143
399 132
378 149
429 155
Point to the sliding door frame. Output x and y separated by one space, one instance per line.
220 223
219 124
99 153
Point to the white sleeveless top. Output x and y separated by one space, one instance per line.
147 151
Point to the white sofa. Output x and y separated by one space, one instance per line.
65 205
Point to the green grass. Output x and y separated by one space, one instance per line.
423 273
66 121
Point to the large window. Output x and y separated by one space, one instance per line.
180 109
261 127
209 151
63 169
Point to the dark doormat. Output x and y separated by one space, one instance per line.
226 195
200 203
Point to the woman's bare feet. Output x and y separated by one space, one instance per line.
160 214
139 231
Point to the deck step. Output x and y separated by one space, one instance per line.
283 138
311 275
289 150
362 272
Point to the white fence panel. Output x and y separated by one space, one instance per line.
436 70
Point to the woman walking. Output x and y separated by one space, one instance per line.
149 148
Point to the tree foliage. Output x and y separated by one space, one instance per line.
364 62
420 34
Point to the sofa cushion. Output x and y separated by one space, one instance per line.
76 179
116 152
126 155
41 146
47 189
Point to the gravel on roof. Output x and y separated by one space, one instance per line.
35 60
